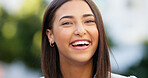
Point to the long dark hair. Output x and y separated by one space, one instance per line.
50 56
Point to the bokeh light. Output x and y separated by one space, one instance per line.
9 30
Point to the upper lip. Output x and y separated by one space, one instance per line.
81 40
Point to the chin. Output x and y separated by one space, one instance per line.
82 60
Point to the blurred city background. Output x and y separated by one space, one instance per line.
126 23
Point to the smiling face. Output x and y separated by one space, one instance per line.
74 32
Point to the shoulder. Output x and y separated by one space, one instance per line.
113 75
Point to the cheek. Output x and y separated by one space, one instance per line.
94 33
97 34
62 37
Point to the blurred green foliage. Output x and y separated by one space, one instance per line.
20 34
141 70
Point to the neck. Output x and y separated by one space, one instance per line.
76 70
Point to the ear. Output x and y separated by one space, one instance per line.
49 34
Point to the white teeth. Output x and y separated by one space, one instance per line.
80 42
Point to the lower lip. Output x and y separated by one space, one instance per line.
81 47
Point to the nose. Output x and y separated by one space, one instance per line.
80 30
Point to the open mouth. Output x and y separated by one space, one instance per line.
80 45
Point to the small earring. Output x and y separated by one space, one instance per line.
51 44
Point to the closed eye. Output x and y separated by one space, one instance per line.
89 21
66 23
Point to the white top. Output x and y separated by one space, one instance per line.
116 76
120 76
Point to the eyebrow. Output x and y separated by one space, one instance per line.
85 15
66 17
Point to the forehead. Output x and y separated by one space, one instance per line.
75 8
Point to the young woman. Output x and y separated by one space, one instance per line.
74 43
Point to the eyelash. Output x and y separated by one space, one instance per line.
88 21
66 23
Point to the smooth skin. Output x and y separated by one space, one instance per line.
73 21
